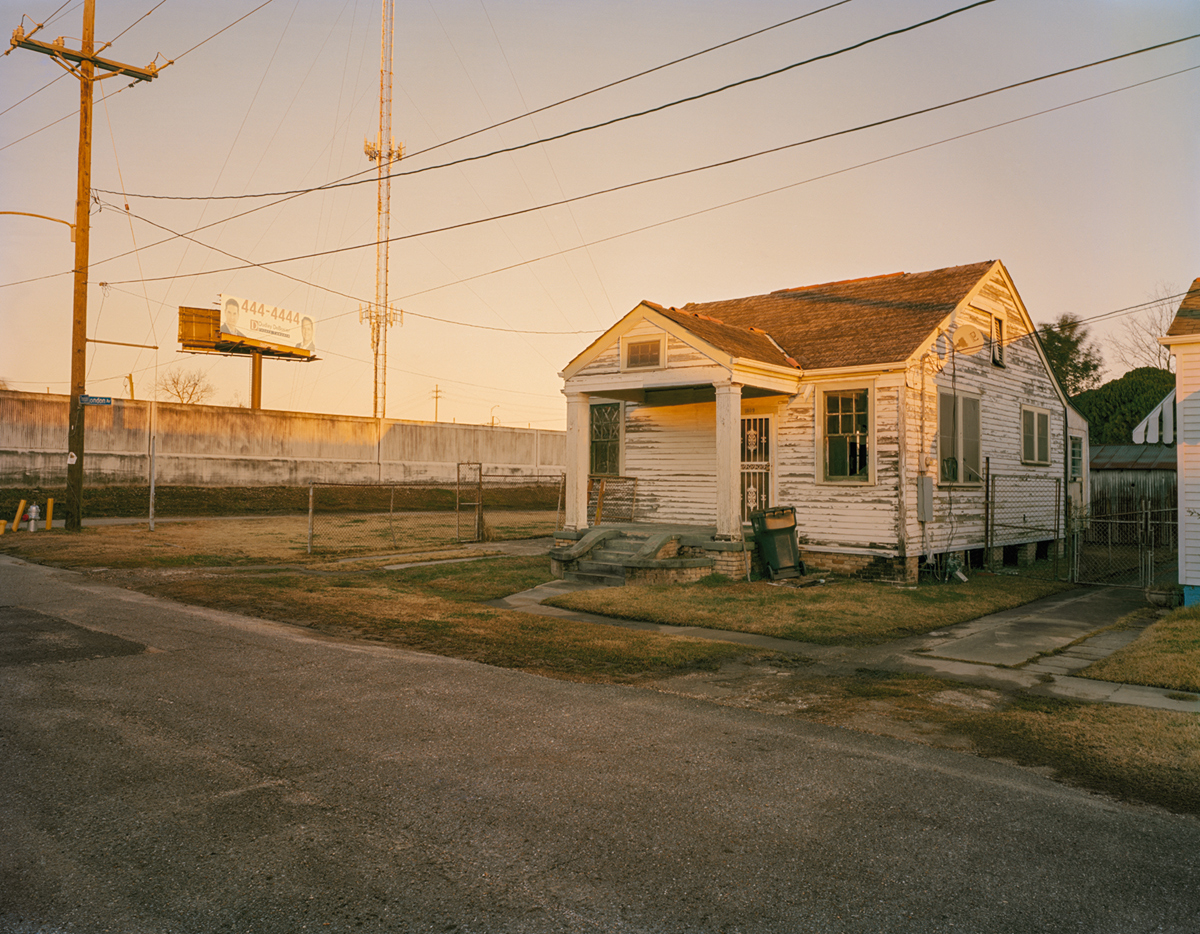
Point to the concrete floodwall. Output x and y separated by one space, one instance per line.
208 445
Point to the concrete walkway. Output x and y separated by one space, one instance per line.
1006 650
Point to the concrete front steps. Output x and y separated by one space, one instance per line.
617 555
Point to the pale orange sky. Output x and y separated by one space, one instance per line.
1091 207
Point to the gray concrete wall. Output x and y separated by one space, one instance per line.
207 445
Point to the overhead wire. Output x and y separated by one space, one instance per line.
684 172
686 215
127 86
576 131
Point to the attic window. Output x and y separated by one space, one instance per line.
643 354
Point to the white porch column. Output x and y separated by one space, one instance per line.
729 461
578 456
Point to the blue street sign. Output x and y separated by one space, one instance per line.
95 400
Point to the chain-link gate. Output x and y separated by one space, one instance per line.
1025 528
1138 548
468 502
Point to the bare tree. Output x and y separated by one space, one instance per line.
186 385
1136 344
3 385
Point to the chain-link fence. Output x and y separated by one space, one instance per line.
1025 526
346 518
611 499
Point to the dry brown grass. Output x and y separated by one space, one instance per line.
437 609
1130 752
1166 655
837 613
209 543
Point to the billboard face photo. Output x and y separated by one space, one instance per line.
242 317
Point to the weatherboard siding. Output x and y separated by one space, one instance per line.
1187 395
857 516
959 509
672 452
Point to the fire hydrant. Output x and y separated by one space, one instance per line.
33 513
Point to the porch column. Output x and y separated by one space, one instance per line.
729 461
578 451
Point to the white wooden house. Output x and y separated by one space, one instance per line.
1183 340
876 407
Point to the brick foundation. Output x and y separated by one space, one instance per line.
862 567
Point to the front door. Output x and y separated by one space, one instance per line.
756 465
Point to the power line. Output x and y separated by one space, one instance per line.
713 165
585 129
126 87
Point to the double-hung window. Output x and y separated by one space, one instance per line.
1076 457
1035 436
959 444
847 433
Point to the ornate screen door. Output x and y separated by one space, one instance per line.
756 465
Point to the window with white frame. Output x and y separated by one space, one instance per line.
960 446
1076 457
1035 436
847 435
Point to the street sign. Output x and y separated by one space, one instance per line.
95 400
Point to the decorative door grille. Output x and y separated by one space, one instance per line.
756 465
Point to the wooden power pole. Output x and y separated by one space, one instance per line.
82 64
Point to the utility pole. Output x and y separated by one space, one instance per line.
383 152
437 394
83 65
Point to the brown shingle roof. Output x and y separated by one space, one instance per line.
1187 319
882 319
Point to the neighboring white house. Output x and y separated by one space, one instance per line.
876 407
1183 340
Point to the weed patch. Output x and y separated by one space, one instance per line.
1136 754
1166 655
838 613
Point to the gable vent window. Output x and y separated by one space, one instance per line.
998 341
643 353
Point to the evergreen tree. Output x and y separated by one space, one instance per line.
1074 361
1115 409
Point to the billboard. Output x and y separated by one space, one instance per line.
243 317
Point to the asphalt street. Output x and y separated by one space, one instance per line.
173 769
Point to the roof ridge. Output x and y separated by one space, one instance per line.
819 285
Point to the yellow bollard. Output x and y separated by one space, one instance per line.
17 517
49 513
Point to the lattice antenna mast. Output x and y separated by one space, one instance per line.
383 152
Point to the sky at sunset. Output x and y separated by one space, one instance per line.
507 264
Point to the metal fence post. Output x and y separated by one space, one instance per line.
310 516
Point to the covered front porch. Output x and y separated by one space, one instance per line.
702 455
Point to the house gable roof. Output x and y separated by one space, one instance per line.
859 322
1187 318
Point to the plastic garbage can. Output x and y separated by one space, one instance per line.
775 535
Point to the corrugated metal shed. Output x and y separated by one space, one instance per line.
1133 457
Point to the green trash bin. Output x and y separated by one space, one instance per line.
775 534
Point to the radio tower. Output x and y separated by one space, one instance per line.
383 152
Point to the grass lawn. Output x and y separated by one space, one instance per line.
841 612
1133 753
439 609
1166 655
1142 755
